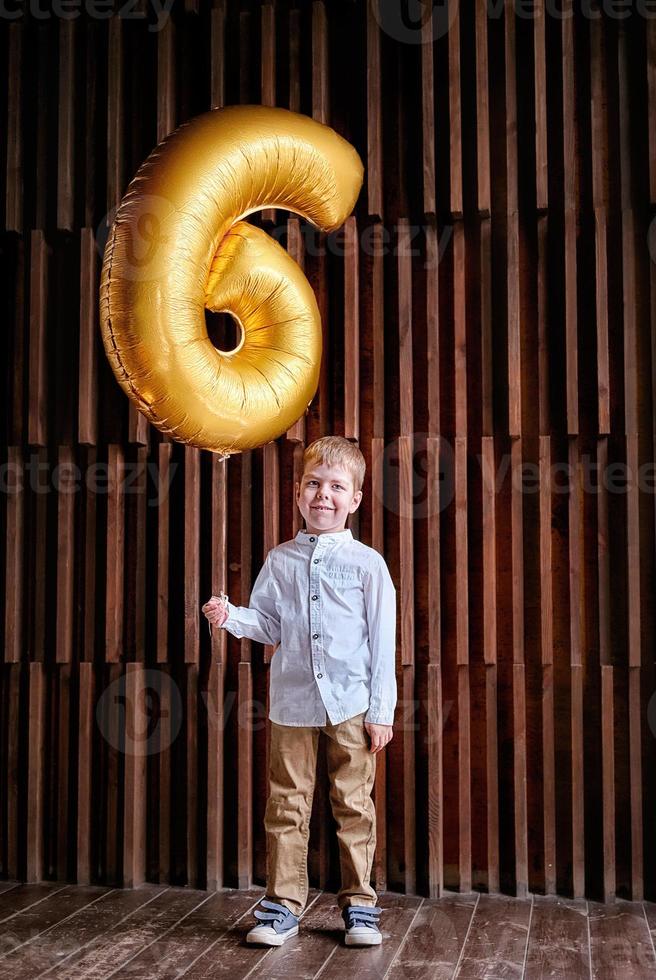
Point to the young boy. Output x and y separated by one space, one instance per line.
330 603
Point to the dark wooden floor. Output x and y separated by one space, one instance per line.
156 932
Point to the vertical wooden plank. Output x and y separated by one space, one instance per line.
90 564
271 515
462 552
66 136
215 760
634 615
295 247
519 679
14 185
17 345
427 116
482 113
540 81
351 330
455 121
510 94
135 570
320 66
217 48
374 172
115 115
544 410
608 780
63 769
192 775
166 80
576 661
219 546
164 775
635 764
570 203
464 780
488 490
378 334
489 552
112 734
650 28
600 200
192 555
459 329
547 661
487 346
89 338
66 550
13 768
404 306
409 786
268 70
38 371
514 328
380 785
435 784
246 542
163 521
35 774
114 607
244 777
432 330
92 155
294 60
14 556
38 571
406 546
297 521
85 774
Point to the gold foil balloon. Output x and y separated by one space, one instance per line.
179 246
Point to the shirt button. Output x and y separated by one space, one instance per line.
312 539
315 636
316 561
319 675
315 596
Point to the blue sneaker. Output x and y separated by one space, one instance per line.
361 922
275 926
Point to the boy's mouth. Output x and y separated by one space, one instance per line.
326 509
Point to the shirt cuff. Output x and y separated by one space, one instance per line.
231 624
380 713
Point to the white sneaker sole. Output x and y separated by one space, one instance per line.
363 938
267 936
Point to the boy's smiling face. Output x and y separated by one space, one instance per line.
325 497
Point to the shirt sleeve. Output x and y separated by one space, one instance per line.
260 620
380 604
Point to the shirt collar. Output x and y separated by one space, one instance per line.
304 537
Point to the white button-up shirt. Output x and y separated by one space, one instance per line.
330 603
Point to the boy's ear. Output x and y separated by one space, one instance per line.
355 503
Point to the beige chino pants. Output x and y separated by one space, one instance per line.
351 771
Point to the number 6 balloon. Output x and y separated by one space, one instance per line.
179 245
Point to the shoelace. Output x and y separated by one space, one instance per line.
361 915
276 917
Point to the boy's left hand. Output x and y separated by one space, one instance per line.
380 735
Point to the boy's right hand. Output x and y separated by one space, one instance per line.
216 611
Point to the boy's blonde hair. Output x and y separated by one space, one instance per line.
336 451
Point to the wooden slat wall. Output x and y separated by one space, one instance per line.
489 319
